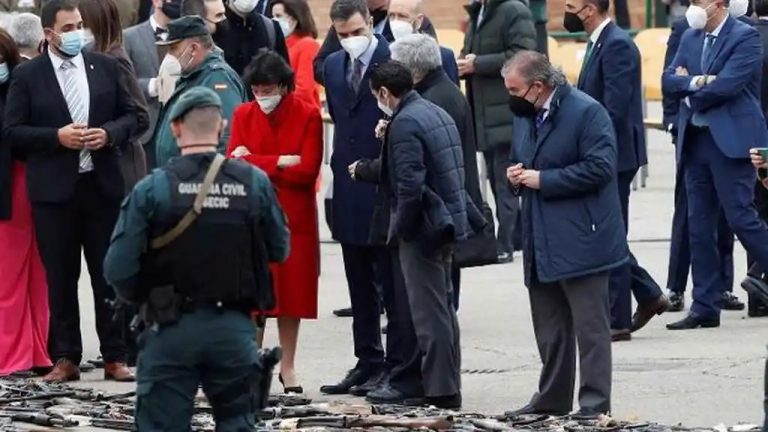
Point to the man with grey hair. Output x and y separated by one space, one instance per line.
27 31
564 165
406 17
420 53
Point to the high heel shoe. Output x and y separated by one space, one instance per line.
289 390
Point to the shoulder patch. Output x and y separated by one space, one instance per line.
220 87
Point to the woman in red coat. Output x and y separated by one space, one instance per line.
283 135
300 33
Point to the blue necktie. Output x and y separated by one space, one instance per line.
540 117
707 52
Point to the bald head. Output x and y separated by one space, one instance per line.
409 11
198 126
411 6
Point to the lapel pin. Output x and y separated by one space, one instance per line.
91 67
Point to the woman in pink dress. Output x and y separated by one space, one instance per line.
23 290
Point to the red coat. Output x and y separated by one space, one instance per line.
294 128
302 51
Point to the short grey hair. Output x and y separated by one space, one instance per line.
534 66
27 31
419 53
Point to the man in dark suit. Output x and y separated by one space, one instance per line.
611 74
716 74
679 249
355 113
140 46
405 18
71 113
564 165
378 11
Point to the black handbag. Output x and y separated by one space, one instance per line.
479 249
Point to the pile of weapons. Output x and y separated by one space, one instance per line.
61 407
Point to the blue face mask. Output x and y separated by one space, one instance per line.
4 73
71 43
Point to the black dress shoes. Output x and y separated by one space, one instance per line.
530 410
354 377
374 382
756 287
444 402
693 322
343 313
388 395
731 302
586 414
676 302
757 309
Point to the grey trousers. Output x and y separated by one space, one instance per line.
564 314
428 285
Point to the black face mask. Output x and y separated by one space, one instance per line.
172 9
222 26
379 15
522 107
572 22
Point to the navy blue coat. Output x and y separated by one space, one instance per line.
355 117
425 173
573 225
612 77
731 103
450 66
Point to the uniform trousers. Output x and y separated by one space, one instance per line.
214 347
714 180
566 314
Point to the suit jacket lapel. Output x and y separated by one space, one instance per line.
91 73
148 38
549 124
720 42
381 54
52 82
596 49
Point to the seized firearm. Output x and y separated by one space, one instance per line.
349 422
38 419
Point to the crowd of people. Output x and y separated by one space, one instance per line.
89 109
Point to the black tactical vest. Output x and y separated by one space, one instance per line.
213 260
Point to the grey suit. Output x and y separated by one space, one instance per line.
140 45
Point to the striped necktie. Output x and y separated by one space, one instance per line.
77 109
357 75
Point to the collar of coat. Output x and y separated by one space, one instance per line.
431 79
210 61
561 92
404 101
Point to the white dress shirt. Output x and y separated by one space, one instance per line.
598 31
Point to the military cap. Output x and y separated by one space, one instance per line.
195 97
186 27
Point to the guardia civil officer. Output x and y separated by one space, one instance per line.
210 227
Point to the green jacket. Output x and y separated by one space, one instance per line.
215 74
150 200
507 27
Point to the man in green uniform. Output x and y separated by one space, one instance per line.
192 245
201 65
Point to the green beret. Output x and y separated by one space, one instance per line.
186 27
195 97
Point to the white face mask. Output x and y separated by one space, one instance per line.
355 46
696 17
738 8
243 6
87 36
170 66
269 103
384 108
400 29
287 25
